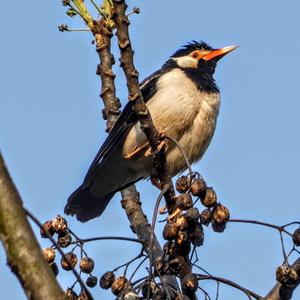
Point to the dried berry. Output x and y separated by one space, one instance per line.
221 214
49 254
64 239
107 280
71 12
209 198
71 295
296 237
131 296
91 281
182 184
87 265
286 275
136 10
193 213
206 216
149 289
54 268
59 224
197 234
169 248
47 228
69 261
170 231
190 283
181 222
184 201
183 243
218 227
63 27
198 187
118 285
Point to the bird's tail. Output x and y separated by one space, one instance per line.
86 207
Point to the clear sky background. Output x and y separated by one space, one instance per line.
51 124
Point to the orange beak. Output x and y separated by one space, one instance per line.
219 52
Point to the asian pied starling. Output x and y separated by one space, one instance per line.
184 102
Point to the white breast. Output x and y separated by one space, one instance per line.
181 110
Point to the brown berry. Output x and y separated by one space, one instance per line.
198 187
87 265
190 283
91 281
131 296
107 280
221 214
286 275
217 227
49 254
118 285
64 239
181 222
182 184
210 198
70 294
169 248
197 234
183 243
47 228
59 224
170 231
296 237
206 216
192 213
54 268
69 261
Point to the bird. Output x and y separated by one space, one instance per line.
183 100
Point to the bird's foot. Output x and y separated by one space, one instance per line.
162 146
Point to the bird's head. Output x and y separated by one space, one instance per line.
199 61
199 55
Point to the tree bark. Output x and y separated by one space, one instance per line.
24 255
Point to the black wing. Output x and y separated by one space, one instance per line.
122 126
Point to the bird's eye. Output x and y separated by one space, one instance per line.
195 55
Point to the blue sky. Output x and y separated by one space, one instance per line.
51 125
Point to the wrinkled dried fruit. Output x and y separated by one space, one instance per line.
59 224
286 275
197 234
91 281
107 280
71 258
206 216
182 184
183 243
209 199
170 231
169 248
190 283
198 187
181 222
54 268
218 227
193 213
153 289
87 265
118 285
221 214
64 239
49 254
131 296
70 294
296 237
47 228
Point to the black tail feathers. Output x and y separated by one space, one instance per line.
82 204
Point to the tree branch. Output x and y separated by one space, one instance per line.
24 255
